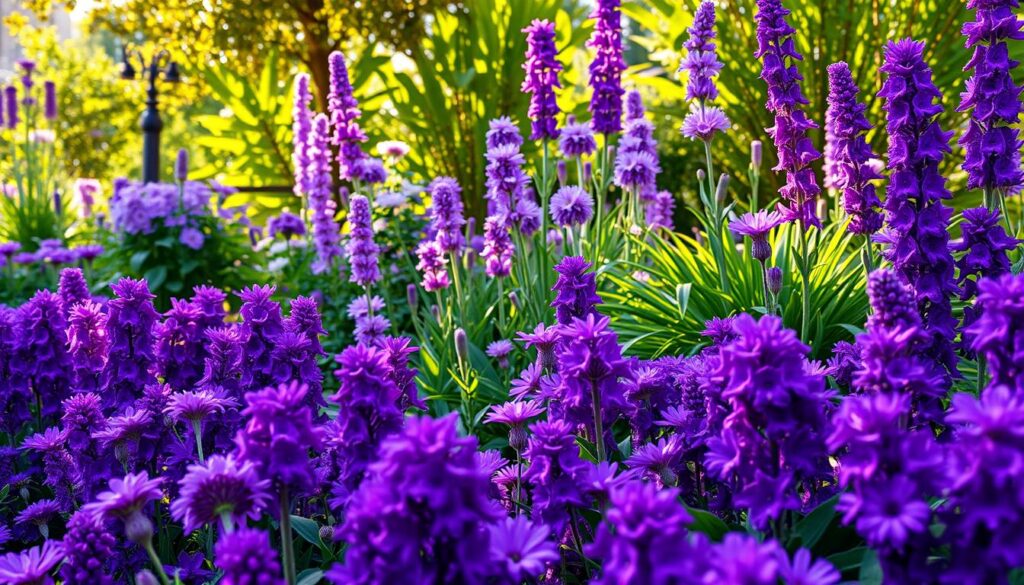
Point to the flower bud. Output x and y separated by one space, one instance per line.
50 100
760 249
326 533
588 173
756 154
145 577
701 175
412 297
775 280
138 528
461 345
517 438
514 299
181 165
722 189
436 312
563 173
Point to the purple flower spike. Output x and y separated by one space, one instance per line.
344 111
992 141
701 61
542 69
796 152
302 125
362 251
498 246
319 190
850 152
246 558
915 215
606 68
577 140
575 290
998 333
446 217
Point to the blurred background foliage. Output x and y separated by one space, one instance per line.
433 72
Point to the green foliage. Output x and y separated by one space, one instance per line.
248 142
666 315
467 71
851 31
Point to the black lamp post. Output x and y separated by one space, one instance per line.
150 121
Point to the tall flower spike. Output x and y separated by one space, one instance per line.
575 290
302 124
916 216
796 152
72 289
850 151
320 188
606 68
702 66
542 69
992 141
362 251
446 217
498 246
984 246
344 111
998 333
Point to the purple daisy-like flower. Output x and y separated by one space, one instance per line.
635 171
32 566
542 67
528 383
703 122
371 330
39 514
246 558
502 131
88 252
361 307
222 488
126 496
806 570
520 548
658 461
757 226
545 339
196 406
514 413
500 350
577 140
571 205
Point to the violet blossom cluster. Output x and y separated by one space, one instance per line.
606 68
542 67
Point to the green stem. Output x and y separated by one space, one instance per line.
157 565
227 522
805 277
287 546
199 439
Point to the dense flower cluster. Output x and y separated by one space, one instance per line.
606 68
542 69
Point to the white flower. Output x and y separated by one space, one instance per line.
390 199
278 264
393 149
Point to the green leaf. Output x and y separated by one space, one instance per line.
708 523
138 259
812 527
307 529
156 276
587 449
309 577
848 559
870 569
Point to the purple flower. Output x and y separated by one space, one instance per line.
505 177
606 68
88 548
246 558
915 216
125 501
432 264
368 413
196 406
498 247
11 107
660 211
88 252
278 435
319 191
302 124
370 171
556 471
702 123
371 329
775 47
520 548
515 415
985 245
757 226
130 324
72 289
287 225
575 290
701 62
362 251
542 67
41 355
658 462
741 558
396 356
571 206
222 488
502 131
446 219
39 513
802 571
635 171
998 333
770 443
500 350
576 140
422 513
643 537
32 566
344 110
261 324
850 151
179 345
49 100
992 142
222 366
527 216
